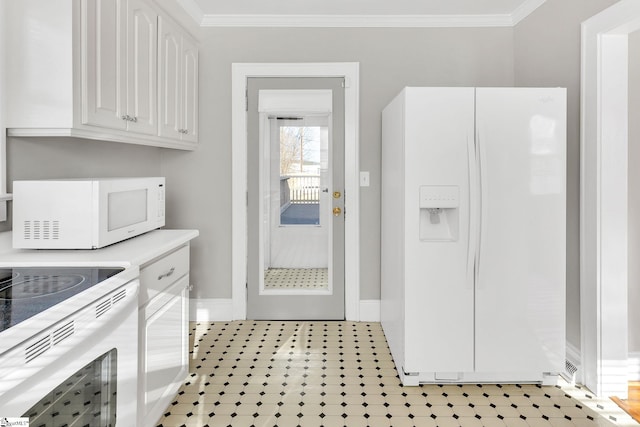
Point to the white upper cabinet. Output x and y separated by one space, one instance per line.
104 64
91 69
178 88
119 45
189 90
142 76
169 50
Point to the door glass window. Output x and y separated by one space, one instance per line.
301 163
296 240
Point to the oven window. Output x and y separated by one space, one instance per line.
127 208
87 398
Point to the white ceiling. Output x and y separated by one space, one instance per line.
359 12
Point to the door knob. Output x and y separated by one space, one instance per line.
337 211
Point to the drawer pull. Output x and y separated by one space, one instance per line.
167 274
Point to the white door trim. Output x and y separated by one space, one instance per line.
240 73
603 201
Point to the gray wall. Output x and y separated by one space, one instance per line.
35 158
634 192
547 53
389 60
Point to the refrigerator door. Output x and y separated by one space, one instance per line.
520 285
438 146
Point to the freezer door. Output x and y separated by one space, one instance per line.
520 277
438 156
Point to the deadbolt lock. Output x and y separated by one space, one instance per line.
336 194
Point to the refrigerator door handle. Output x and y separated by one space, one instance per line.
482 204
473 211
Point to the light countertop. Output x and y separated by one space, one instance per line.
136 251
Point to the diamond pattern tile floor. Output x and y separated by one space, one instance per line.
296 278
334 374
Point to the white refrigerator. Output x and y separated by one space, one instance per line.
473 234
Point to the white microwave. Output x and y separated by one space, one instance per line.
85 213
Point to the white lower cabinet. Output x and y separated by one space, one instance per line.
164 334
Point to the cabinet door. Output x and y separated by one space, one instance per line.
103 63
189 91
164 340
142 43
169 75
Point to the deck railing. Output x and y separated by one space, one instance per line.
301 189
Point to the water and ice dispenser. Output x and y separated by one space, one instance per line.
439 212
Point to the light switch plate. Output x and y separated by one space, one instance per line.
364 179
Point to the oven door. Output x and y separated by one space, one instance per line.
80 371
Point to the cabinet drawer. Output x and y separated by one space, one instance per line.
156 276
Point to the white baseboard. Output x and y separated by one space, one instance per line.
573 354
634 366
211 310
573 357
370 310
221 309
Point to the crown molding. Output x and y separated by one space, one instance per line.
193 10
335 21
525 9
360 21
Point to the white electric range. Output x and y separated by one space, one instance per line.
129 256
68 345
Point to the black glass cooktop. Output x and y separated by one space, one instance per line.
27 291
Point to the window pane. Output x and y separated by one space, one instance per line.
300 175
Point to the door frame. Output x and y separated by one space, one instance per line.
603 198
240 73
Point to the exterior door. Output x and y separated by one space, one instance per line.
295 198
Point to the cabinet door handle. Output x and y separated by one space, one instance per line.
129 118
167 274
